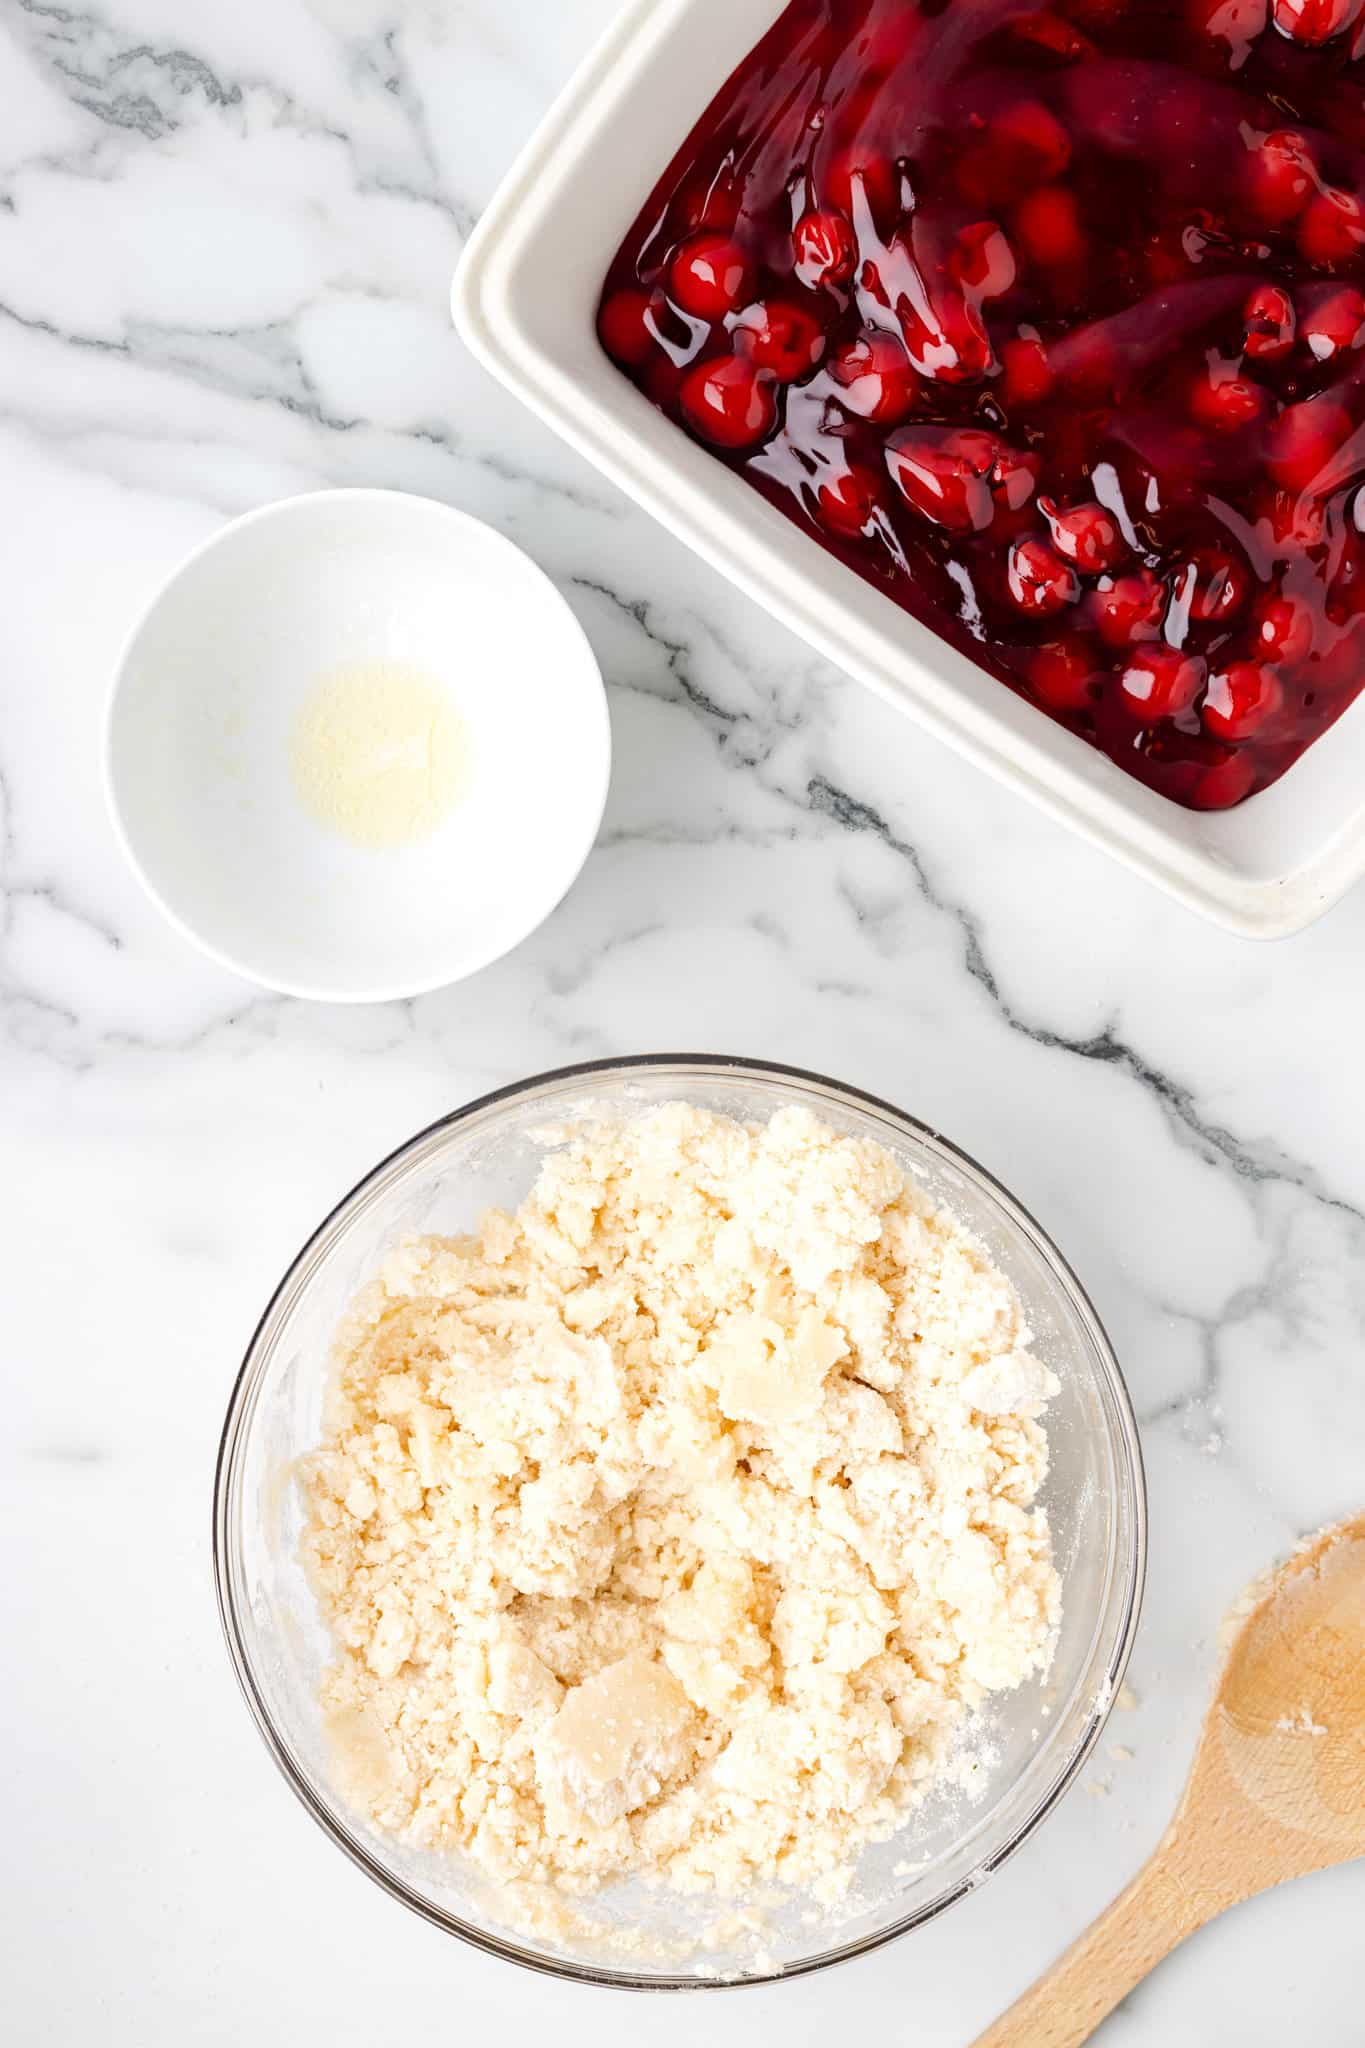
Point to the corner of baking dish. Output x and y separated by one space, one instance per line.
523 300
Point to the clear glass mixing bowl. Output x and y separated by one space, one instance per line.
1033 1740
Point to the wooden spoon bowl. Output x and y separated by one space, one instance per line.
1277 1789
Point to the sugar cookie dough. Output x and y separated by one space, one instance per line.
672 1526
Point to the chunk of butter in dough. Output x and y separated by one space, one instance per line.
616 1740
1014 1383
519 1684
764 1373
367 1763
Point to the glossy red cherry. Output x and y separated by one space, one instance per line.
1223 401
1304 439
825 246
708 200
624 324
710 276
1279 176
1240 699
1269 324
1283 629
982 260
1315 21
956 350
1014 475
728 402
1333 227
1161 681
781 337
1127 609
1225 783
1031 140
1027 376
1038 580
1333 321
945 474
1221 586
1047 226
1025 144
1086 534
964 354
875 378
1065 673
850 500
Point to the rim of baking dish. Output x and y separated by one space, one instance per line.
1118 1608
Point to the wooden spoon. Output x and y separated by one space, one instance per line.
1277 1789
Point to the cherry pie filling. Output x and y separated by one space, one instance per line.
1050 322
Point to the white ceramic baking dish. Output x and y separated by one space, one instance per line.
524 301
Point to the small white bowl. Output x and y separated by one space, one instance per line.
206 697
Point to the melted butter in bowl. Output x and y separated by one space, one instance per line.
379 754
337 712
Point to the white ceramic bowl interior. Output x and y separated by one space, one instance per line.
525 299
206 696
1031 1743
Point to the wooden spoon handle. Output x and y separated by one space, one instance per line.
1067 2003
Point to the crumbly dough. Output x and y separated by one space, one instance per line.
673 1526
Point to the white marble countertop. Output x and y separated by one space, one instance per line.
226 237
